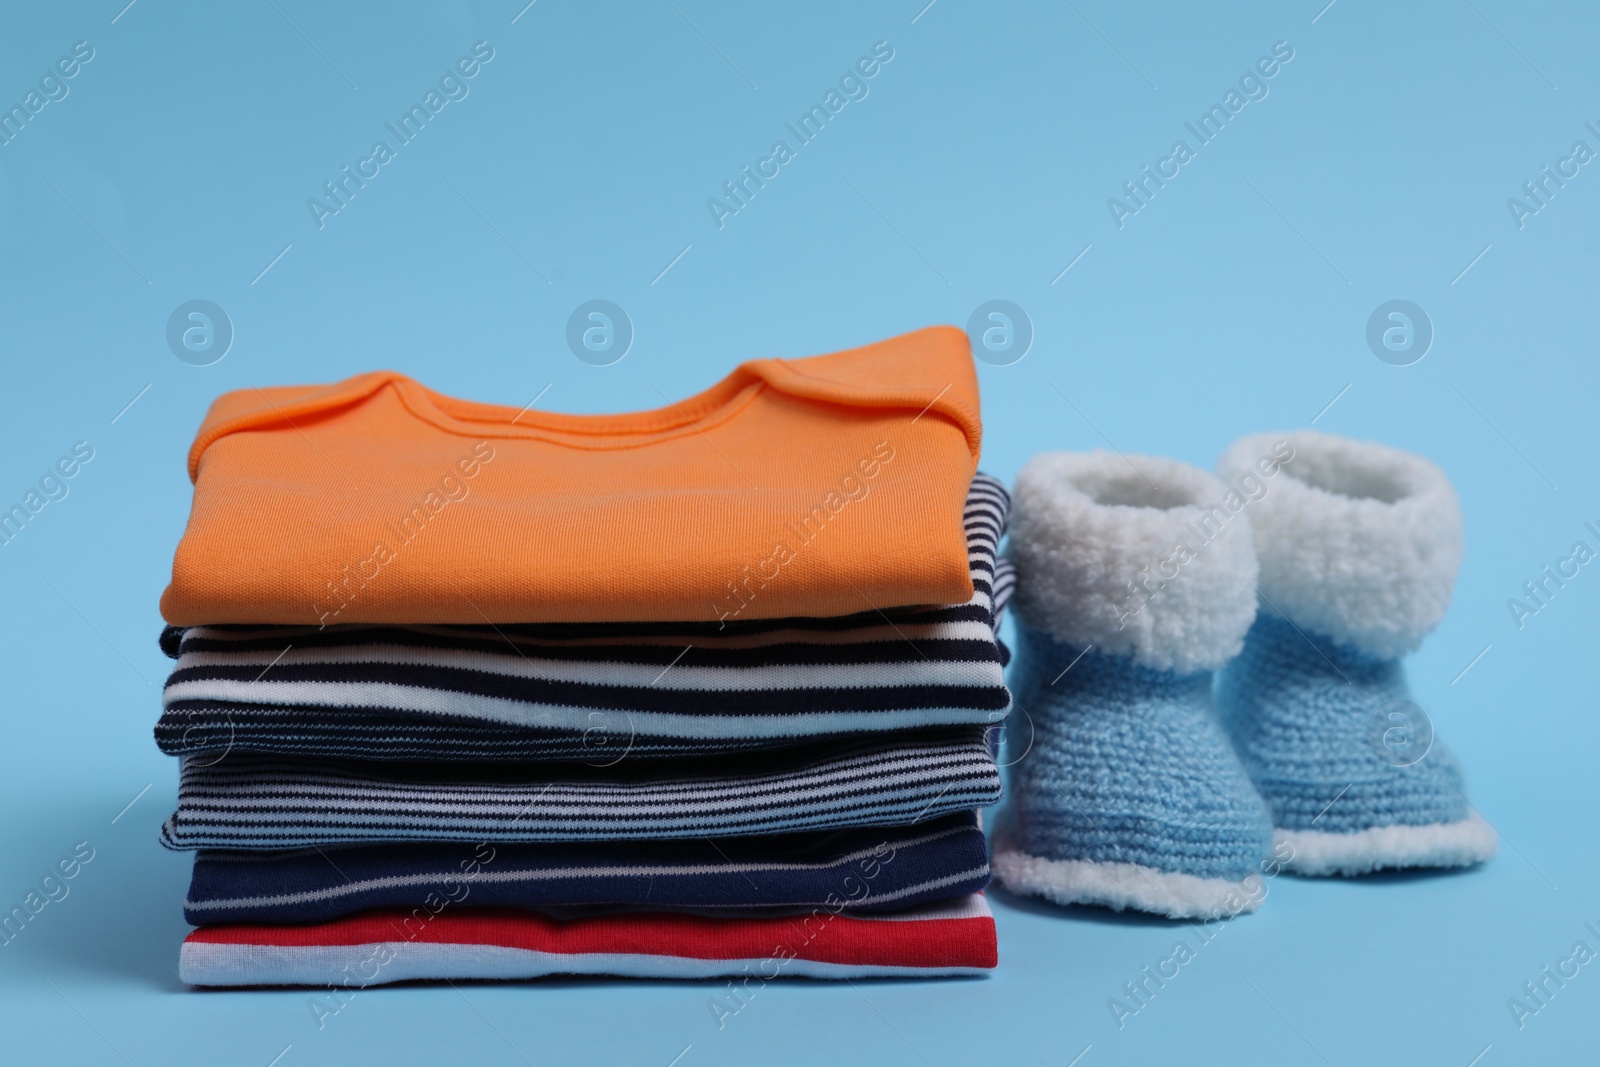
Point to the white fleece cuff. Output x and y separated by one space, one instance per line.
1135 555
1358 542
1454 844
1120 886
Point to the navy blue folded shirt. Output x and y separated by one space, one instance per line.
875 869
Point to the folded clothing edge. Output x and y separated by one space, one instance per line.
870 868
375 948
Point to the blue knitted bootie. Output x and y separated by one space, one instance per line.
1359 546
1128 597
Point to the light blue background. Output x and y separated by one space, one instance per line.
179 167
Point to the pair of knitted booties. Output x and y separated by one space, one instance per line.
1211 667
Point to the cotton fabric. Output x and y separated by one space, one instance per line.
265 802
819 487
899 866
598 692
947 938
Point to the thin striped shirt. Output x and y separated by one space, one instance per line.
263 802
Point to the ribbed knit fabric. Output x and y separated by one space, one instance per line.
823 486
1133 586
900 866
262 802
1359 546
1127 766
374 948
596 692
1312 721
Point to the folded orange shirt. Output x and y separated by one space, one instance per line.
822 486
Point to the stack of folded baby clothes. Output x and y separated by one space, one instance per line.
464 691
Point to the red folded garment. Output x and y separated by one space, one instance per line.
394 945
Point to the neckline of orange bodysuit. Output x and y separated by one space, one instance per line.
694 414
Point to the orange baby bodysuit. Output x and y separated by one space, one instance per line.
821 486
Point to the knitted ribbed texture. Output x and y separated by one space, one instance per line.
1128 765
1331 738
1359 546
1134 584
